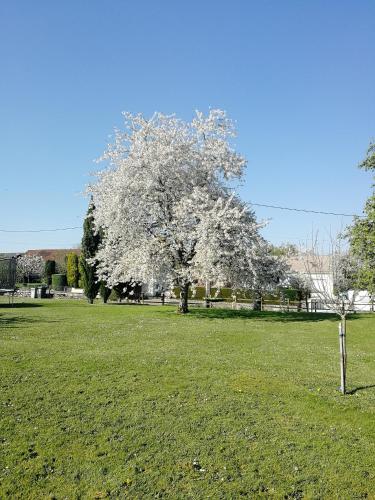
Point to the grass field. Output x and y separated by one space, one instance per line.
136 401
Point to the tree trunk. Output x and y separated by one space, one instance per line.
90 301
184 295
299 299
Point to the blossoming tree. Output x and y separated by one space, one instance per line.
28 265
166 209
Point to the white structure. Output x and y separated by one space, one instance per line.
322 280
362 302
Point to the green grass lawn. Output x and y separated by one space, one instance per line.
136 401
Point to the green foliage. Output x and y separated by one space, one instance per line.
104 292
88 279
114 296
138 402
90 245
49 269
289 293
362 234
198 293
30 285
72 269
224 293
118 292
90 239
58 281
369 162
362 244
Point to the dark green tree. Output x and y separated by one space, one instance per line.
90 245
104 291
49 269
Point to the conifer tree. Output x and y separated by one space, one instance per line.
90 245
49 269
72 269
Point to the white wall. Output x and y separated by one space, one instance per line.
362 300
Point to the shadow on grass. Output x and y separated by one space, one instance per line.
362 388
15 321
21 321
19 305
264 315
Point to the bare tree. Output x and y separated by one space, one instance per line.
331 279
301 285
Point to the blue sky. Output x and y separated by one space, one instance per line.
297 76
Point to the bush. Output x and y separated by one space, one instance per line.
198 294
72 270
105 292
58 281
114 296
289 293
224 293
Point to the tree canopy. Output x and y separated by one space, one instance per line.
28 265
90 244
166 208
362 233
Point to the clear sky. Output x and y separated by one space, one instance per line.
297 76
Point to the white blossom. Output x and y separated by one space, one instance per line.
29 264
165 205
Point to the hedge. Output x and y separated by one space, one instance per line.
224 293
58 281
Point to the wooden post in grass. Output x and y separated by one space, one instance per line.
342 343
